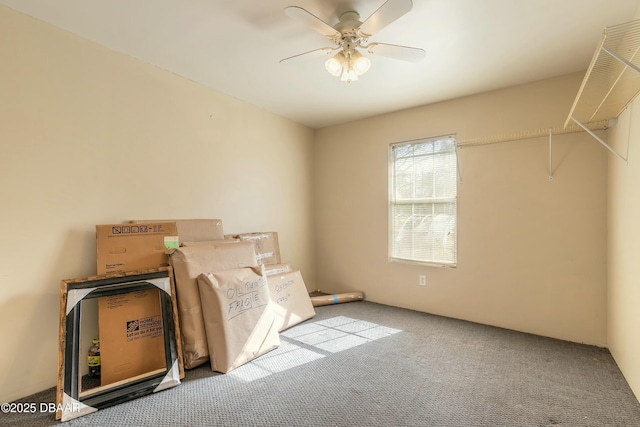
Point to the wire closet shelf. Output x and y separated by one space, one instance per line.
612 80
611 83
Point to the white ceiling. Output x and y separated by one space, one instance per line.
234 46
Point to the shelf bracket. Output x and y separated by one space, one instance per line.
550 155
621 59
597 138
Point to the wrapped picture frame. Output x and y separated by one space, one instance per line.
72 400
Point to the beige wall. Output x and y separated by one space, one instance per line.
624 247
623 232
90 136
531 252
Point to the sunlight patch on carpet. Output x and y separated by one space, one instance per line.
328 336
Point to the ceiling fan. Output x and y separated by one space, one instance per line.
350 34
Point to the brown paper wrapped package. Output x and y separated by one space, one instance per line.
291 299
188 263
267 245
272 269
238 317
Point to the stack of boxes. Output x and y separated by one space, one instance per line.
200 254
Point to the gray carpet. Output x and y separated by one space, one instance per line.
365 364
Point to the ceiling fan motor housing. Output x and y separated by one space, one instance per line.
349 24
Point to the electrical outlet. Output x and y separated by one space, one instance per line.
422 280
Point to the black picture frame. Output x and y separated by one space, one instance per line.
71 402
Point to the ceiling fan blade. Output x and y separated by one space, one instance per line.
312 21
385 15
404 53
324 51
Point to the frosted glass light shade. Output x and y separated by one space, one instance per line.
334 64
360 63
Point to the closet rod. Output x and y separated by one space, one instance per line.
531 134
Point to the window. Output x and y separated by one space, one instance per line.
423 201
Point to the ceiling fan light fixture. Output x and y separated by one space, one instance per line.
349 74
348 65
335 64
360 63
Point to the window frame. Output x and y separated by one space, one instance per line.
430 200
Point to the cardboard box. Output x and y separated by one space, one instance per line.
188 263
193 230
131 335
238 317
290 296
267 246
131 247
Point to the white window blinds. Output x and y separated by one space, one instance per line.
423 201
